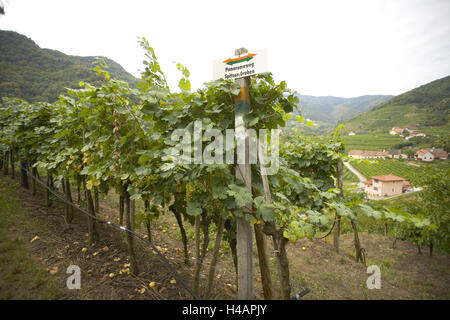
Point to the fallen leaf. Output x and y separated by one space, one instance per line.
53 270
84 250
152 284
105 249
173 281
116 259
142 291
34 239
111 275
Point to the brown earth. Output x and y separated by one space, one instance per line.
405 274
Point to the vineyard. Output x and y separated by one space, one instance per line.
399 168
370 141
114 139
349 176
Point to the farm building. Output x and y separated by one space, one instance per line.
431 154
397 154
424 155
386 185
351 133
400 131
396 130
439 154
368 154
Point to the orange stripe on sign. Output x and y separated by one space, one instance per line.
250 55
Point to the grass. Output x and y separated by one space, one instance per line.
386 267
331 276
21 275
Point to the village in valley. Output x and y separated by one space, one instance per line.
388 184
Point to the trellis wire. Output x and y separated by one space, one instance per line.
119 227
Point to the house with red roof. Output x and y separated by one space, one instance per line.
424 155
396 130
386 185
431 154
439 153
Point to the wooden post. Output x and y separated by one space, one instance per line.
337 227
23 173
260 237
13 169
5 163
244 234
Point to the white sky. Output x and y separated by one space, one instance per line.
342 48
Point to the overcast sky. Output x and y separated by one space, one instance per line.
341 48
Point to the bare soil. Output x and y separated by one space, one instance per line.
405 274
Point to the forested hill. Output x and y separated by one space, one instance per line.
35 74
331 110
425 106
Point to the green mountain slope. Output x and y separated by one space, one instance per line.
331 110
35 74
424 107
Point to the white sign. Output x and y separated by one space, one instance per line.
245 65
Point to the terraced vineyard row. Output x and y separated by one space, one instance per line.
370 142
382 167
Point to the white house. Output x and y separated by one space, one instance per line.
424 155
396 130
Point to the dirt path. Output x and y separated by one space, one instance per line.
356 172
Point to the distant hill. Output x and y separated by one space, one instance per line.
427 106
332 110
35 74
